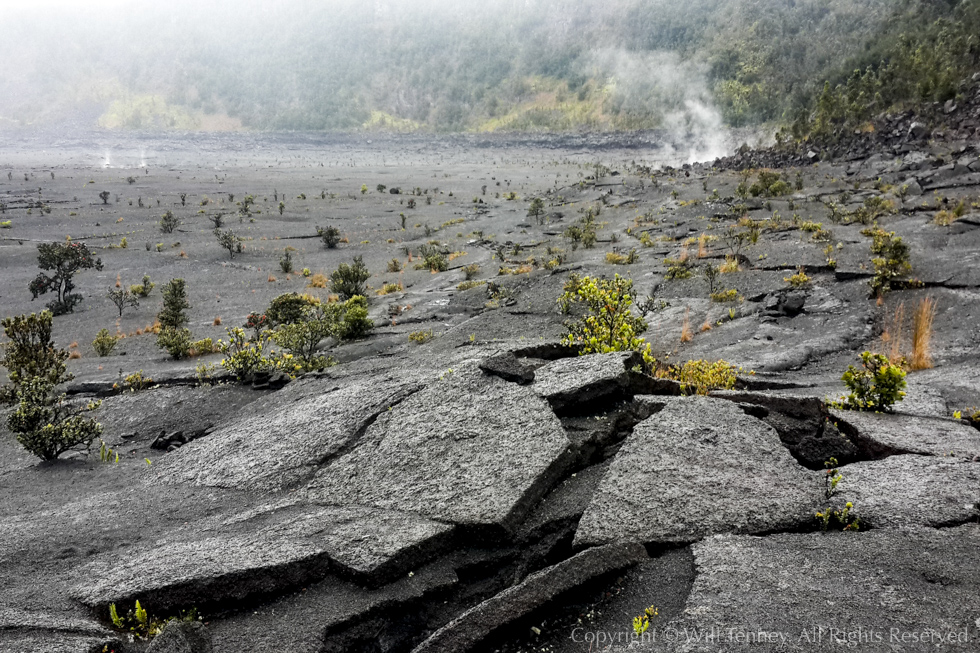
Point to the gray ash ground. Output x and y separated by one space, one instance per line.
270 513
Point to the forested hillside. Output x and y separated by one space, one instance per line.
501 65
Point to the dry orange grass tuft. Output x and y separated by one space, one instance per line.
318 280
891 337
217 321
686 335
702 245
922 320
139 332
119 281
706 326
182 254
684 255
75 354
73 345
271 279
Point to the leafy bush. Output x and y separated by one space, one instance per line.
330 236
46 424
891 261
610 324
875 387
286 262
65 260
176 341
723 296
104 343
169 222
30 353
433 258
289 308
244 357
421 337
230 241
701 376
350 280
798 280
301 339
352 318
142 290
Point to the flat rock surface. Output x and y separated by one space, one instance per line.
583 378
699 467
909 490
284 446
892 433
811 592
470 449
272 549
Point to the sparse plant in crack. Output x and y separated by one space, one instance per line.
877 386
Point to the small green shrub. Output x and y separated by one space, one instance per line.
725 296
142 290
421 337
470 271
169 222
798 280
891 262
244 357
877 386
350 280
610 324
104 343
30 353
176 341
700 376
289 308
329 235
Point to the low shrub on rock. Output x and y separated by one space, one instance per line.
876 386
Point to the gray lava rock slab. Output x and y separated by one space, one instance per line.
280 448
917 490
582 379
699 467
811 592
367 543
27 631
470 449
300 622
476 624
194 573
281 547
883 433
508 367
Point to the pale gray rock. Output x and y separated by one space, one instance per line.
470 449
885 434
902 491
581 379
699 467
284 446
808 592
